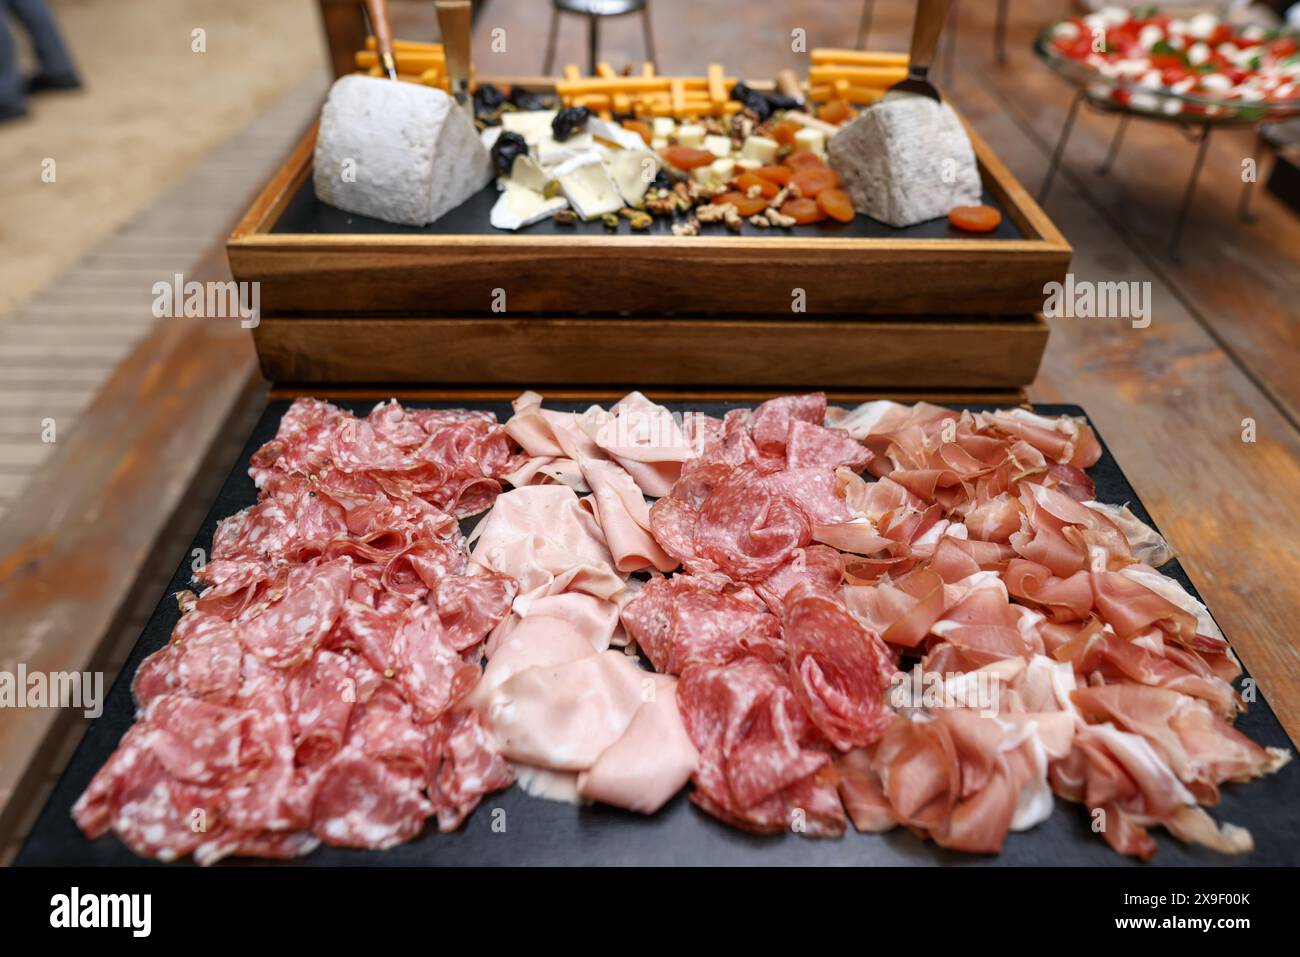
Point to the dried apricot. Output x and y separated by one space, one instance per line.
766 187
975 219
784 131
774 174
641 129
803 159
836 111
744 204
803 210
836 204
814 179
684 157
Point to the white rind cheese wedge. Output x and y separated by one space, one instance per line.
632 172
518 206
905 160
588 187
533 125
615 134
526 172
400 152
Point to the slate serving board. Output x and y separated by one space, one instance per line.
542 832
305 214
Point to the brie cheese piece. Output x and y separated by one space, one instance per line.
614 133
533 125
526 172
588 187
632 172
519 206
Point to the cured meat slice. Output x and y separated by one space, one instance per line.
758 749
1062 439
470 607
135 797
649 763
748 529
1122 776
686 620
1201 748
771 421
818 566
432 672
543 538
363 803
808 445
563 716
288 632
620 508
839 672
320 695
464 766
536 641
595 619
643 438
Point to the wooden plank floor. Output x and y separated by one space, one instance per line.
1170 399
58 349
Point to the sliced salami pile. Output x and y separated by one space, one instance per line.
890 616
308 693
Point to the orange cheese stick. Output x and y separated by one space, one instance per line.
821 56
858 75
412 45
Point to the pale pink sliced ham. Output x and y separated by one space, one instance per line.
649 763
541 536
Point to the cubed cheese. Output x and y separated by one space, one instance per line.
761 148
690 135
744 163
664 126
659 142
716 173
814 141
718 145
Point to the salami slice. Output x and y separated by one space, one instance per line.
840 673
748 529
364 803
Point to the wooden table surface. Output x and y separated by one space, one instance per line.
1172 400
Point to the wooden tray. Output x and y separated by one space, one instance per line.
951 354
316 261
549 833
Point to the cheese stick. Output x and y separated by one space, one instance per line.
827 55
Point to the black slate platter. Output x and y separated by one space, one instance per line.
539 832
305 214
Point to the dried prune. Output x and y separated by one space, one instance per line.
762 105
507 147
570 120
527 99
487 100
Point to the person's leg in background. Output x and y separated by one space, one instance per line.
56 71
13 101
